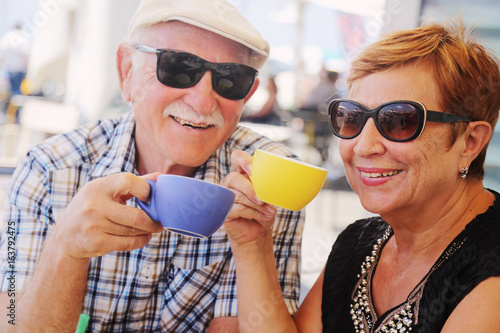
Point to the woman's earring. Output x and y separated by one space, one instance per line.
463 172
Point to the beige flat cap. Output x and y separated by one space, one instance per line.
217 16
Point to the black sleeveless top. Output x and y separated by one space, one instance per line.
473 256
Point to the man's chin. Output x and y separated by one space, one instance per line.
191 158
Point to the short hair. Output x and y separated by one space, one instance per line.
466 73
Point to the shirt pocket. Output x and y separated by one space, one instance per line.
192 295
198 253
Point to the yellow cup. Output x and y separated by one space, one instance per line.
285 182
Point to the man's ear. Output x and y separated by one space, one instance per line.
252 91
124 66
477 135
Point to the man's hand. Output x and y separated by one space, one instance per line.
97 221
249 219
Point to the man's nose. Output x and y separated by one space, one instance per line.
202 97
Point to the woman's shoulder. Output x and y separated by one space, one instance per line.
342 267
484 231
471 259
353 244
364 231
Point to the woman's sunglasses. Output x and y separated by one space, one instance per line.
398 121
178 69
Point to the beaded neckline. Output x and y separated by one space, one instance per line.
400 319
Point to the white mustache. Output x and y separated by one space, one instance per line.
184 112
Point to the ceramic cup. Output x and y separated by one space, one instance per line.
188 206
285 182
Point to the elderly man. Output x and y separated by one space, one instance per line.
82 245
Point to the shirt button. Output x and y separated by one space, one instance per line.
148 272
136 326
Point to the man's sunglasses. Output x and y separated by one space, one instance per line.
178 69
398 121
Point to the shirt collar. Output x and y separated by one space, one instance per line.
119 155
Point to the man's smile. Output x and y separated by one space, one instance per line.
190 124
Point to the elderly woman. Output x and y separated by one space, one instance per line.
413 136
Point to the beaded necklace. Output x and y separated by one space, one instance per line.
400 319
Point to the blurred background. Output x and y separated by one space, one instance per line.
57 71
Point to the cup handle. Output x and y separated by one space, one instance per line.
150 208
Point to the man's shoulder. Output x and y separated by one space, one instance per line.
248 141
83 145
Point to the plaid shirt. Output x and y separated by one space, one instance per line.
173 284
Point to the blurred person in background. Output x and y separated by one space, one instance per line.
326 89
269 113
422 107
14 52
83 245
316 104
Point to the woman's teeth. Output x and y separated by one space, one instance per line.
379 174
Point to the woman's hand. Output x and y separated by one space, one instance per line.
250 219
249 227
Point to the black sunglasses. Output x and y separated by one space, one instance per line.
398 121
178 69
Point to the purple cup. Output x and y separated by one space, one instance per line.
187 205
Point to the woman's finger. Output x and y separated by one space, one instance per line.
241 162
